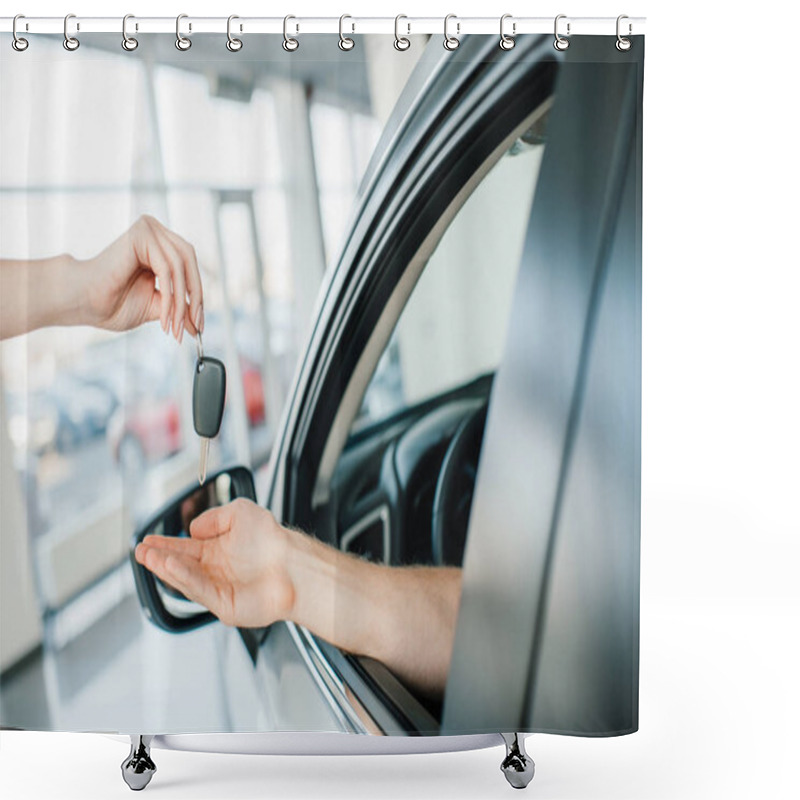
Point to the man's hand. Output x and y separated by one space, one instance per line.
234 564
250 571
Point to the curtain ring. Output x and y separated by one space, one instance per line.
233 44
18 43
289 43
181 42
507 42
401 42
70 42
451 42
623 44
345 42
129 43
561 43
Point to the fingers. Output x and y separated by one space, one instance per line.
174 261
180 545
153 257
148 281
193 283
179 307
213 522
184 573
190 328
154 307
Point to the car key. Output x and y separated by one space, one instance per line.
208 402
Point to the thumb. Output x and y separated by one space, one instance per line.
155 298
211 523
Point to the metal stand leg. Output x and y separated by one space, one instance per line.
138 768
517 766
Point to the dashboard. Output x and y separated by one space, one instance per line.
384 489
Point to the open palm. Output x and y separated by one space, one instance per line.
234 564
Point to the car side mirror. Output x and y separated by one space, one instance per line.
164 605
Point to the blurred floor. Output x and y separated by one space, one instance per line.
121 674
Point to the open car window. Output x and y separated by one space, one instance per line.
435 376
453 327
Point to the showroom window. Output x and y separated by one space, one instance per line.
343 143
100 422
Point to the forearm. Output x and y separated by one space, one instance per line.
403 616
34 294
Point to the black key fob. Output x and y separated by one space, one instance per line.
208 396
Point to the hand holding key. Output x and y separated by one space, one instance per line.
208 402
122 293
115 290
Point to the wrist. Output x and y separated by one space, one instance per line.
68 284
310 569
336 595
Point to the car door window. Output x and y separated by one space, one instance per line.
453 327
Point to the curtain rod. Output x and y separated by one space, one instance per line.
298 25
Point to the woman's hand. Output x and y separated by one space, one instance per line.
115 290
119 284
235 563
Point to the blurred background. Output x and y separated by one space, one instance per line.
255 158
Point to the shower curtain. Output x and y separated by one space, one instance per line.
421 268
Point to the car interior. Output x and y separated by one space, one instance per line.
402 494
404 488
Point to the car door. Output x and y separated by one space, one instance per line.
460 113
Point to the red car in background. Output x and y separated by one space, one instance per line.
149 430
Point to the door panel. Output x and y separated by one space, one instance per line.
564 422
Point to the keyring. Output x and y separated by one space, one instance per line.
181 41
623 44
345 42
70 42
199 339
128 42
507 42
233 44
18 43
401 42
561 43
451 42
290 44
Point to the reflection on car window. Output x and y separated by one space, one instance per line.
453 327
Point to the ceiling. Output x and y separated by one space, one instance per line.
318 63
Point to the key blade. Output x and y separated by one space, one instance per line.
201 473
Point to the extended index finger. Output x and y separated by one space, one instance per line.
213 522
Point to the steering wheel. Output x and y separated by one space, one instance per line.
454 488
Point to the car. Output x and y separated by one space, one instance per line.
405 445
66 414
